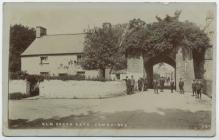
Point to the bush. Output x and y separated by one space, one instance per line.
35 92
17 96
17 75
33 80
66 77
102 79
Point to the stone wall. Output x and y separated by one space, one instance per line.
81 89
135 66
208 76
184 70
17 86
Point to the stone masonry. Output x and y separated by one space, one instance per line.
184 68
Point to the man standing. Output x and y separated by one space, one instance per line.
160 81
194 84
199 89
171 86
145 84
140 84
161 84
128 83
132 84
181 86
155 85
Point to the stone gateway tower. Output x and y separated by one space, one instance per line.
140 64
182 45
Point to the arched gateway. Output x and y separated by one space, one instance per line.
179 44
140 64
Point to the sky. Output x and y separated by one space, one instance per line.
64 18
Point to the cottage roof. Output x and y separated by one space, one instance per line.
56 44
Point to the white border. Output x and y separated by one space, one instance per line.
103 1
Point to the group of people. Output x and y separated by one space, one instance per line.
142 85
130 85
160 84
197 88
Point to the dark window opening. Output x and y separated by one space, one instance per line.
44 73
81 73
79 58
63 74
118 76
44 60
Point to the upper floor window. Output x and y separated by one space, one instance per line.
44 60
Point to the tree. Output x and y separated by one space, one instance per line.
106 47
102 49
20 38
135 35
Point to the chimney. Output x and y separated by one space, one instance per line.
40 31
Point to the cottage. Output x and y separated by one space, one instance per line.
55 55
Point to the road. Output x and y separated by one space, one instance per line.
141 110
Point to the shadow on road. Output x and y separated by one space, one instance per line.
169 119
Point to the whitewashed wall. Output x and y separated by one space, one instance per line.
122 76
81 89
17 86
56 64
89 74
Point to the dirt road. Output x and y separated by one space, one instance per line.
140 110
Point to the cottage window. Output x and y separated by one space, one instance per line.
79 57
63 74
44 60
45 74
82 73
118 76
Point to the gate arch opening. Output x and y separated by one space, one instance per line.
151 62
164 71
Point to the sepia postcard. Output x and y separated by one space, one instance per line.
109 69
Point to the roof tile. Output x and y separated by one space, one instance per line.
56 44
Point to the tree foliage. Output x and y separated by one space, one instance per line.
102 49
166 35
106 47
20 38
135 35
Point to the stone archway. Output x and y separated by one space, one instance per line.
149 62
139 64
